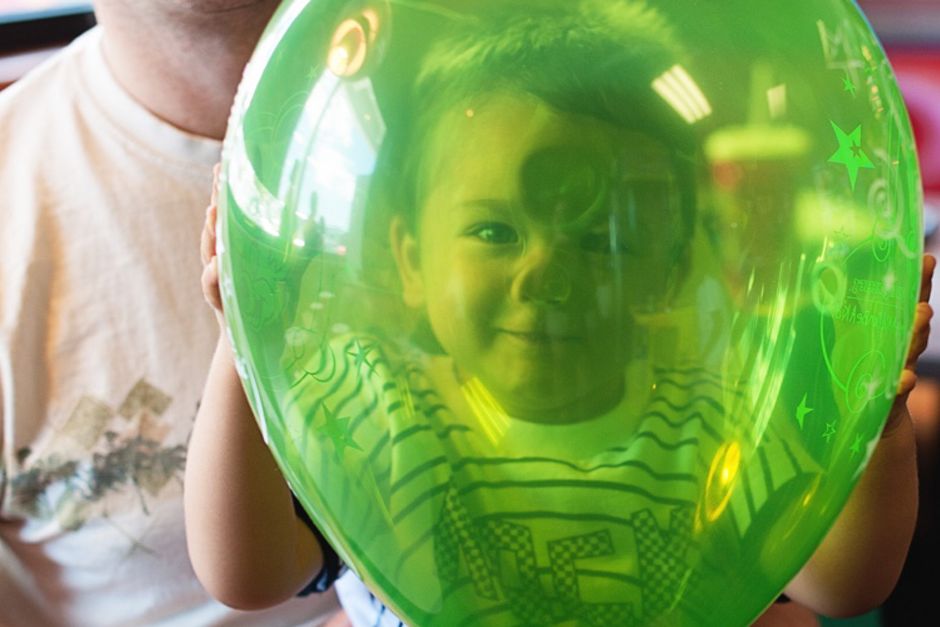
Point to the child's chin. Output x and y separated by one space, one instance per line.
537 403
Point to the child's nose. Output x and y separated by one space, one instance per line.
543 276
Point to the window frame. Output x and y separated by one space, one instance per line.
31 30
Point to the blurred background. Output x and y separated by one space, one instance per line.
910 31
31 30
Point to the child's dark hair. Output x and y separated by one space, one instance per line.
595 58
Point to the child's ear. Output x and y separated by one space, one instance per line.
405 249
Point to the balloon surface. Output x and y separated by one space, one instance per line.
562 312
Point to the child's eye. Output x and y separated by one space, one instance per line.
494 233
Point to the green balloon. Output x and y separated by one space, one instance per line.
570 311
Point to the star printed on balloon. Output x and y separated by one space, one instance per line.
848 85
360 355
337 430
856 447
850 153
802 410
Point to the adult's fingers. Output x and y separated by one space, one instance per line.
207 241
210 284
214 196
926 277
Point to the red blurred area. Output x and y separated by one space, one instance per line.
918 72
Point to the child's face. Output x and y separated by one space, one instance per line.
539 235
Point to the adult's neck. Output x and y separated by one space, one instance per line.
180 62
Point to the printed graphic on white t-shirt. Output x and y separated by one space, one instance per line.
130 459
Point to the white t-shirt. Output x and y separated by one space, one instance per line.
105 341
